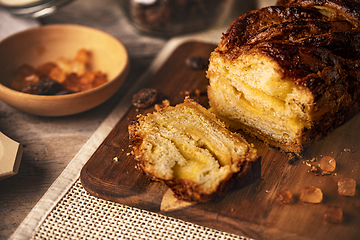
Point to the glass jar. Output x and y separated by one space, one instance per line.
172 17
32 8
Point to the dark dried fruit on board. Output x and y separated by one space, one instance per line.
145 98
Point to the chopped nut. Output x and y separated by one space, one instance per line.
308 164
314 169
115 159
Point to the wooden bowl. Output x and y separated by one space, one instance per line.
47 43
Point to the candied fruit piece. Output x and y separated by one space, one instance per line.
25 70
100 79
18 84
78 68
327 164
57 74
84 87
79 64
347 186
87 78
44 70
311 194
32 78
72 83
24 75
64 64
284 196
82 55
333 214
72 74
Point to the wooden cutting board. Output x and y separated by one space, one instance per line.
252 211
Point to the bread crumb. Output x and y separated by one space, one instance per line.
165 103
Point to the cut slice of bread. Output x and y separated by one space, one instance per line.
187 148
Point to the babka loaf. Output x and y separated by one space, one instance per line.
187 148
289 73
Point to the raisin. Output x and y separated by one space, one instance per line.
44 87
145 98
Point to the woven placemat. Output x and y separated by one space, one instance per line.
79 215
67 211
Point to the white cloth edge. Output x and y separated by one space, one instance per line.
71 173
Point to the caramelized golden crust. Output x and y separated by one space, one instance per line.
249 24
289 73
347 9
289 24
